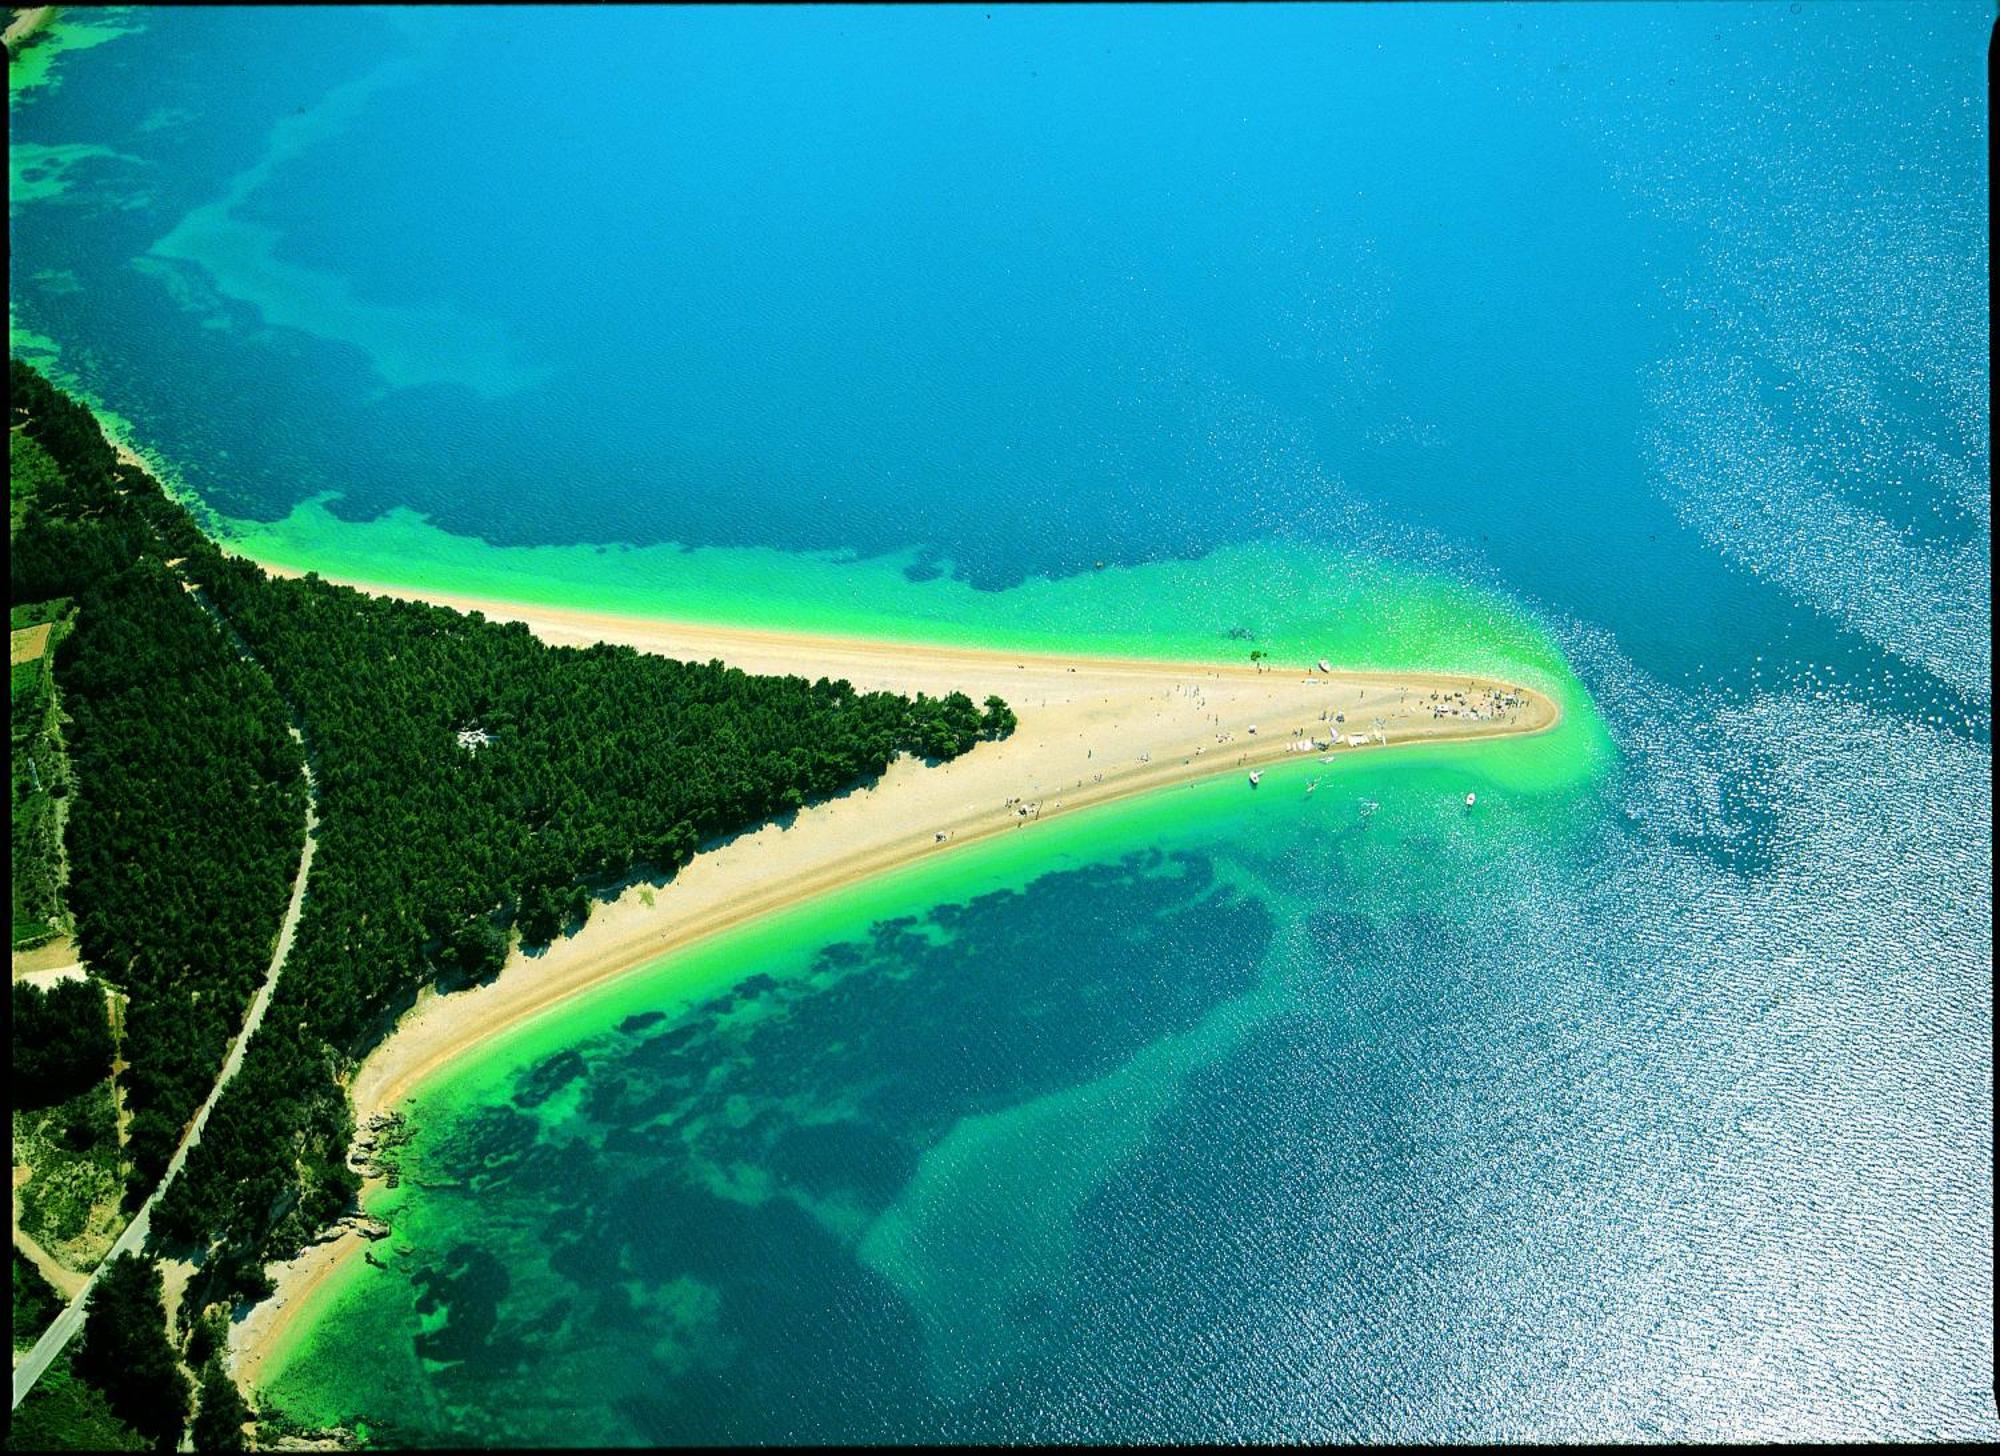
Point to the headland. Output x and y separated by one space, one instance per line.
1091 730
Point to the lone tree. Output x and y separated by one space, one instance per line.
999 719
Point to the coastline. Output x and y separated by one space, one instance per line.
1093 730
897 664
26 23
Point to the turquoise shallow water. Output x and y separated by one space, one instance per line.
1638 351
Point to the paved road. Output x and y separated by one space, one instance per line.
66 1324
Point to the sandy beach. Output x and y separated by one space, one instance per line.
1091 730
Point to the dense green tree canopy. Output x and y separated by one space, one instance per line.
474 784
184 827
62 1413
35 1301
124 1351
219 1419
60 1040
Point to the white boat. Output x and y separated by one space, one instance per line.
1470 799
1255 777
1323 667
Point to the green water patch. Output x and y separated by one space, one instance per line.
46 355
57 280
991 1212
37 173
74 28
996 1210
845 1153
1290 602
698 1153
1410 796
23 342
1293 603
408 345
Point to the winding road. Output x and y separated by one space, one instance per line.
65 1325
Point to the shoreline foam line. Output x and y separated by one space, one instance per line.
1093 730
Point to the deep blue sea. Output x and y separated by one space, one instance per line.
1666 323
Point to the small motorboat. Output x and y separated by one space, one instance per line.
1256 777
1470 800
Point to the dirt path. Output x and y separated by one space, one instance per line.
66 1282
